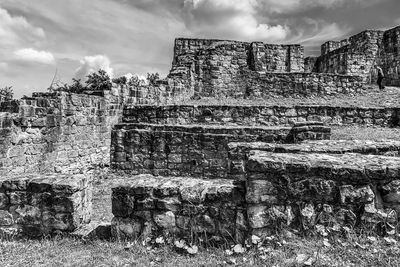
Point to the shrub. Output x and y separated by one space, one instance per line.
121 80
152 78
99 81
6 93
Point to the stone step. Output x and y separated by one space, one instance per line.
305 191
380 147
196 150
146 205
36 205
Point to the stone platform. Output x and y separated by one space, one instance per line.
195 150
304 191
38 205
239 152
185 207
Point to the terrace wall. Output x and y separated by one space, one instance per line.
260 115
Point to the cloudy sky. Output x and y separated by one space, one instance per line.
136 36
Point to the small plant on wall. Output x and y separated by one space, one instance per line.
98 81
6 93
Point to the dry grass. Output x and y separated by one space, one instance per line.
364 133
72 252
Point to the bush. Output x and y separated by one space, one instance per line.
99 81
6 93
121 80
152 78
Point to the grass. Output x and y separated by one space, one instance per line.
373 97
364 133
72 252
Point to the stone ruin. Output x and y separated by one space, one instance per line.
224 172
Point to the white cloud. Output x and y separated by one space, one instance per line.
32 55
230 19
15 30
90 64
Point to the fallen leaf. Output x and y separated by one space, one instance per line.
160 240
300 258
326 243
255 239
309 262
180 243
239 249
192 250
229 252
390 240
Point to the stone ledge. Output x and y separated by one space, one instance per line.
350 167
324 191
382 147
147 205
38 205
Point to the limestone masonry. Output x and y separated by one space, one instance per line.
39 205
209 172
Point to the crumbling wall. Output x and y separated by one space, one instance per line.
276 58
211 66
355 56
42 205
57 132
321 192
389 57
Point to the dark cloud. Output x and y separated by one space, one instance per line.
137 35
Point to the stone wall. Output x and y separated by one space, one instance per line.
389 57
276 58
356 56
57 132
260 115
210 66
42 205
198 151
261 85
240 152
186 208
321 192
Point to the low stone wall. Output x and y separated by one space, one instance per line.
321 192
188 208
260 115
38 205
239 152
199 151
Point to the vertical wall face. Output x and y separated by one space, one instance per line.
215 68
212 66
390 56
277 58
355 56
60 132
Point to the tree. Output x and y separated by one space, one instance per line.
121 80
99 81
76 86
6 93
152 78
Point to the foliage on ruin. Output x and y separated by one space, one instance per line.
152 78
6 92
98 81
